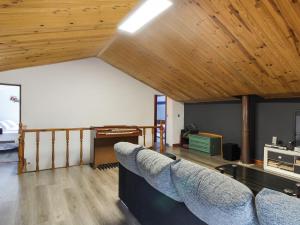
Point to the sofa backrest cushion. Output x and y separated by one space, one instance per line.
274 208
126 154
155 168
213 197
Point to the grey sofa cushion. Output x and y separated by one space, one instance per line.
126 155
275 208
155 168
213 197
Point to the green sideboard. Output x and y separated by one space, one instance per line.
205 143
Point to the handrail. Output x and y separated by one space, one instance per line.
85 128
23 131
56 129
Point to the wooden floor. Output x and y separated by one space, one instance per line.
198 157
214 161
8 156
77 195
73 196
203 158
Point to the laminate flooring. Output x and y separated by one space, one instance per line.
71 196
8 156
67 196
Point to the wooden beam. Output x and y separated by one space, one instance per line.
161 137
248 129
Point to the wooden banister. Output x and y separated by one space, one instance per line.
53 149
37 132
37 159
81 147
21 151
67 147
56 129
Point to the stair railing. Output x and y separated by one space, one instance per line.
23 131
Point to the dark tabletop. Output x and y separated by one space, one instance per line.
257 180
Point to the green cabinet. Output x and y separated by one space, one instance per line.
207 144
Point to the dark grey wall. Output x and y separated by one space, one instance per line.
220 118
273 118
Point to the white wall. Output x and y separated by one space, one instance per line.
9 110
78 94
175 121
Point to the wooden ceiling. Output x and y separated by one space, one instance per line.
35 32
208 50
199 50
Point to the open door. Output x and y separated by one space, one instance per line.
160 115
10 117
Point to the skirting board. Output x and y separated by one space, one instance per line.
259 163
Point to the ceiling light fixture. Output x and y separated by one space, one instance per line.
144 14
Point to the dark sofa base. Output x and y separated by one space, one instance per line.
149 206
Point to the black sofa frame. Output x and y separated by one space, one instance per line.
149 206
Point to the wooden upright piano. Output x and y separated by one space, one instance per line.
103 140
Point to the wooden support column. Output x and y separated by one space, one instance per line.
248 129
37 156
21 163
67 147
53 149
81 147
161 137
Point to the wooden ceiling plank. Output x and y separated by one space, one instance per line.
141 57
149 38
275 63
227 48
199 50
238 30
31 31
230 30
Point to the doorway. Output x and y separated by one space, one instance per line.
10 118
160 115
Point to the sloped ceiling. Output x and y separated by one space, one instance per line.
208 50
35 32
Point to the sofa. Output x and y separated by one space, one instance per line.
161 191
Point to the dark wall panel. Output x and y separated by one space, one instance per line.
273 118
220 118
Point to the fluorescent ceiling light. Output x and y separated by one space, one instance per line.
144 14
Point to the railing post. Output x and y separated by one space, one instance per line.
22 162
144 136
20 166
24 165
53 149
21 150
67 145
153 135
161 129
81 148
37 137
